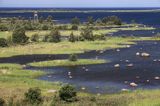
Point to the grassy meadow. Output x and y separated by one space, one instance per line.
67 62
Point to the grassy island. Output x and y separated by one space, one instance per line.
67 62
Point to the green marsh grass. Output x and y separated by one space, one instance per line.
67 62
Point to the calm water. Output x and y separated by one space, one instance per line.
104 78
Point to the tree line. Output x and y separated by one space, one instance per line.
9 24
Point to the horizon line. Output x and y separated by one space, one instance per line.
79 7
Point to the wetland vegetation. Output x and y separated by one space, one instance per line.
19 37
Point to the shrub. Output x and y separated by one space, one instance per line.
33 96
41 19
112 20
100 37
3 27
90 20
49 19
28 26
80 38
54 36
73 57
35 37
3 42
68 93
54 100
72 38
98 21
74 27
75 21
2 102
62 27
19 36
9 40
93 98
10 102
87 34
45 27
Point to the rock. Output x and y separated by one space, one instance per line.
86 70
51 91
147 80
116 65
70 77
156 78
83 67
97 87
133 84
128 46
124 90
145 54
49 76
101 52
137 54
69 73
127 61
83 88
118 50
96 58
24 66
155 43
129 65
125 82
154 60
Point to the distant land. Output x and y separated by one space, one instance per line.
15 10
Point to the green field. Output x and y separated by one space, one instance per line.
66 47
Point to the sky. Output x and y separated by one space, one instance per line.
80 3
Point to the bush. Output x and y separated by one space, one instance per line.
19 36
80 38
33 96
28 26
75 21
74 27
45 27
63 27
73 57
10 102
100 37
54 36
112 20
72 38
3 27
3 42
68 93
90 20
2 102
87 34
35 38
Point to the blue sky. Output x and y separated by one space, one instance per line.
79 3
